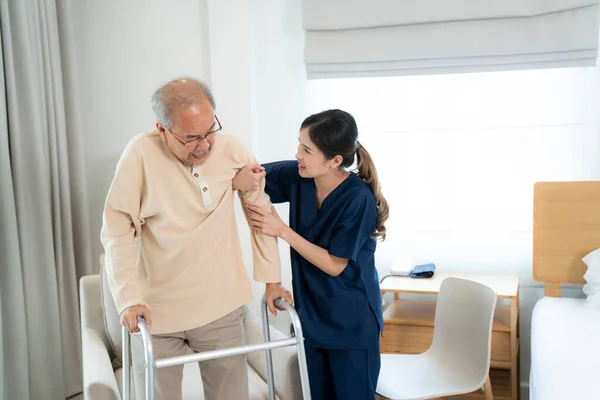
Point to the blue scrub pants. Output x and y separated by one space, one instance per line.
343 374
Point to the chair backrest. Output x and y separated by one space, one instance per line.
462 335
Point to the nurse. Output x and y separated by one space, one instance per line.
336 217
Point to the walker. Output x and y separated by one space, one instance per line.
150 364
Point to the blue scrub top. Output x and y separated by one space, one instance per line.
342 312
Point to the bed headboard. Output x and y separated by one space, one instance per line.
566 226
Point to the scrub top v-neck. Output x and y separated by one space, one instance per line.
344 311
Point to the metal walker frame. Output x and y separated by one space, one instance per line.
150 364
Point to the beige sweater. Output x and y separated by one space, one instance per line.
170 236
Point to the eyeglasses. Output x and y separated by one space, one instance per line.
194 141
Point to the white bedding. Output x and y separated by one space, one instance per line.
565 350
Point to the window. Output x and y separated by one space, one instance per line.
458 156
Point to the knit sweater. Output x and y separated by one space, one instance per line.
170 234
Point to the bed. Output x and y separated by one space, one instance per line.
565 332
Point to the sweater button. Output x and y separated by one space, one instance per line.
196 174
204 189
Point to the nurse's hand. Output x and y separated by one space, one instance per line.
273 291
248 178
266 222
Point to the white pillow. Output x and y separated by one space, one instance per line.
592 277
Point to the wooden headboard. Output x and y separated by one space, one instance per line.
566 227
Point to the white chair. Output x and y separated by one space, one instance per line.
458 361
101 343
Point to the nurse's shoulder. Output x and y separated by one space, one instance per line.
359 192
284 170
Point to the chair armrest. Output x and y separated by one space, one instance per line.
99 381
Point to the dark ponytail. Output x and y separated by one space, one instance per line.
368 173
335 132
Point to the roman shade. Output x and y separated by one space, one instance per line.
350 38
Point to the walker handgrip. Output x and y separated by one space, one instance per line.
281 302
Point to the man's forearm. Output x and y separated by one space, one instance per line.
121 265
120 224
265 251
265 255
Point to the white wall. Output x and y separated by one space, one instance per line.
123 51
259 81
246 53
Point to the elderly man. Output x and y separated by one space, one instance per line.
172 248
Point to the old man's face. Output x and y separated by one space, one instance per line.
192 135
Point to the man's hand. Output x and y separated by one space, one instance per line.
274 291
130 314
248 178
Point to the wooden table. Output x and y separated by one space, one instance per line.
408 325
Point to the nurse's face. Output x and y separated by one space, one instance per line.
311 162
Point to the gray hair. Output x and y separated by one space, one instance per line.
178 93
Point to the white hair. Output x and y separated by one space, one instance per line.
178 93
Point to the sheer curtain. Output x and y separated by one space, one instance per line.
458 156
43 248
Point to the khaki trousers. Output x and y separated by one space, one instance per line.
223 378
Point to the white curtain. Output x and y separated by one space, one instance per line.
358 38
458 155
44 239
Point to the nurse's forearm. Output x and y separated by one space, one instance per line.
317 256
